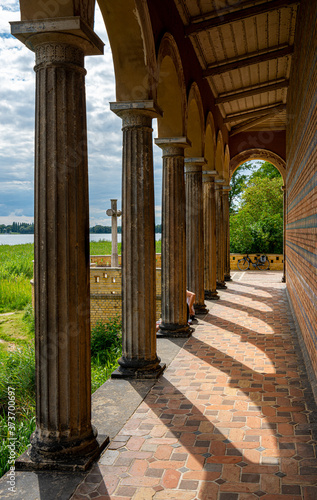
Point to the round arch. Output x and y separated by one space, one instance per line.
171 90
210 142
130 35
195 123
258 154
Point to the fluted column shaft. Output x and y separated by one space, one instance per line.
210 267
220 235
195 231
225 201
174 309
139 358
61 277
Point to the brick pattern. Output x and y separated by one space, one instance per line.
106 293
301 232
231 419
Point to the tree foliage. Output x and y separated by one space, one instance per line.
237 184
258 225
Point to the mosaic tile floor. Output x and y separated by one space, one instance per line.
232 417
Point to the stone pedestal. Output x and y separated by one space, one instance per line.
139 358
220 236
174 308
210 250
226 225
195 231
284 234
64 437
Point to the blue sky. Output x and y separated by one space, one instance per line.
17 91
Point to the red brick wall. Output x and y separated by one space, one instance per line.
301 182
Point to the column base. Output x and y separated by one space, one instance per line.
221 285
210 295
283 279
201 309
228 277
170 330
72 463
128 373
138 368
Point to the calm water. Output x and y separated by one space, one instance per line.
20 239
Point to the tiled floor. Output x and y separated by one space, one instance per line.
229 419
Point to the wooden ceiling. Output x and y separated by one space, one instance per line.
245 50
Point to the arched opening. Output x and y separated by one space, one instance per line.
256 203
195 123
171 94
210 142
258 154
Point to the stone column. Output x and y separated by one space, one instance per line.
220 235
64 437
210 235
174 309
195 231
139 358
225 201
284 234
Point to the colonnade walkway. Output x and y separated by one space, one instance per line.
232 417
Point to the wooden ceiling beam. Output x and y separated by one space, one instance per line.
219 19
254 90
242 61
254 113
251 123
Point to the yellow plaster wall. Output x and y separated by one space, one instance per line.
276 261
105 260
106 293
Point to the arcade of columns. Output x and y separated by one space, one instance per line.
195 245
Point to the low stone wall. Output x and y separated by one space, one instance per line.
105 260
106 293
276 261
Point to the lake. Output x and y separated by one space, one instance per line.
21 239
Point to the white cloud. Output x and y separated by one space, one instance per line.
17 96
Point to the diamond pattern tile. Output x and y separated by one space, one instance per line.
227 420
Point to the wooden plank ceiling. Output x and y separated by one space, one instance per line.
245 50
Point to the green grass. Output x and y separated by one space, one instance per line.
15 331
17 371
16 270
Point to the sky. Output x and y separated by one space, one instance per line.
17 110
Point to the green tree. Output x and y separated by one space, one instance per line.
258 225
237 184
266 171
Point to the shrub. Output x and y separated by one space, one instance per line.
106 340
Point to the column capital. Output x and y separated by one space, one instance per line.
136 108
283 188
68 30
194 165
173 146
212 173
219 183
226 189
